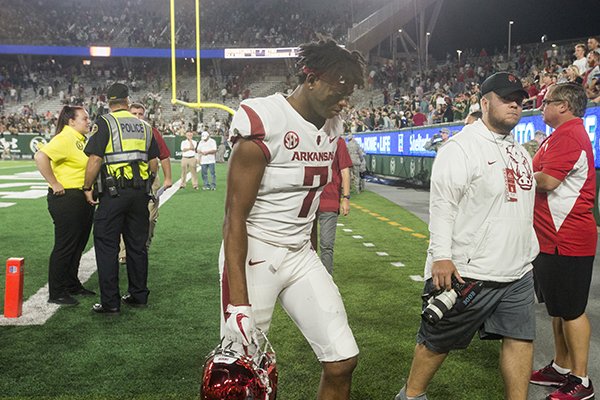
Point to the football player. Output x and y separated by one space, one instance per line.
281 160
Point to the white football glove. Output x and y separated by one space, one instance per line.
239 324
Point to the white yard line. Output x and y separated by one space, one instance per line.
32 166
37 310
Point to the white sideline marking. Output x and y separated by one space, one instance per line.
4 205
382 254
27 194
357 237
17 184
417 278
34 175
347 230
368 245
397 264
16 167
37 310
338 224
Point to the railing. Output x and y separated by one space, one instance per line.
372 21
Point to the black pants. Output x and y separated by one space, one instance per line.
126 214
72 217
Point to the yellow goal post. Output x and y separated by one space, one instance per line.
198 104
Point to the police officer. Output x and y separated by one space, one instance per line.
122 157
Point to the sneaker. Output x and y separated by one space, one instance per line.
98 308
82 292
402 395
65 300
130 301
572 390
212 188
205 188
548 376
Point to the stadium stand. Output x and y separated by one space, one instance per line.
33 90
289 23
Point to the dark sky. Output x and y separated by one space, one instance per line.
484 23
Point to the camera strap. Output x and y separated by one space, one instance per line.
467 293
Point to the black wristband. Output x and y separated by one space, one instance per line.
86 189
346 197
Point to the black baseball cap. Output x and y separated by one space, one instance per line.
503 84
117 91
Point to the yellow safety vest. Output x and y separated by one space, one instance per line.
129 142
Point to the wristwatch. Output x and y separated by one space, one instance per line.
346 196
89 189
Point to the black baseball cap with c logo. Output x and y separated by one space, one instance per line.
503 84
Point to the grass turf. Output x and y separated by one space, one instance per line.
157 353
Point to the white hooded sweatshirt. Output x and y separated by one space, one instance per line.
481 219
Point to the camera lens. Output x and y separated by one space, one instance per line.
438 306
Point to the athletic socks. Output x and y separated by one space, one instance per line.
559 369
585 380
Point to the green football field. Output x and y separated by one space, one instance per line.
158 352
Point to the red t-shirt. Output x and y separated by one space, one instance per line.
330 198
162 146
540 96
532 91
563 218
419 119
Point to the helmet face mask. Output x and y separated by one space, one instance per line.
239 374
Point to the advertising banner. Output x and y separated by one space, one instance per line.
411 141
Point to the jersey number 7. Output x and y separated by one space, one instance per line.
309 180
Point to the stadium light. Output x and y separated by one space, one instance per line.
427 35
100 51
510 24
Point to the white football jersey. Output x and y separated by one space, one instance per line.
299 158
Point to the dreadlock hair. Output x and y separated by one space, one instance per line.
67 113
326 57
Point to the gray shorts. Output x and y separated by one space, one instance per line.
496 312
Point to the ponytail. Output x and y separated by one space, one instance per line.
67 113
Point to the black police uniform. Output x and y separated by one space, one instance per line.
126 214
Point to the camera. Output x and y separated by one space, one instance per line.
436 138
438 305
441 301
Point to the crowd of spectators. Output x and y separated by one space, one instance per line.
145 23
397 95
449 91
26 91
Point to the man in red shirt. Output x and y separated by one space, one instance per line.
566 230
329 207
419 118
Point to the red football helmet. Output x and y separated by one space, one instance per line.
232 375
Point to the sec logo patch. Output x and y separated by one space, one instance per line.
291 140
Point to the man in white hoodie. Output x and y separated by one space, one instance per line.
482 238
